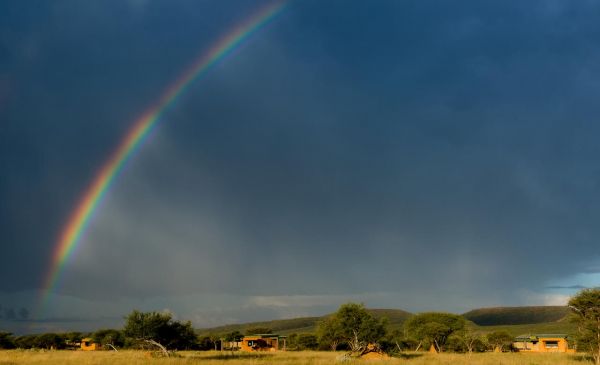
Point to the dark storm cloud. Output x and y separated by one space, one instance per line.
444 152
76 76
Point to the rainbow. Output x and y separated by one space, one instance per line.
80 218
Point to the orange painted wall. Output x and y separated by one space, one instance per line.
541 345
88 345
248 341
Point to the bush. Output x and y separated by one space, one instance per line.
109 336
50 341
7 341
307 341
160 327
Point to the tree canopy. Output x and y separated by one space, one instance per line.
434 327
329 332
585 307
354 325
499 340
161 328
106 337
7 340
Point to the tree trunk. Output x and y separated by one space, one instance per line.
112 346
419 346
161 347
333 345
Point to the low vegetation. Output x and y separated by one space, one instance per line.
586 314
348 335
395 318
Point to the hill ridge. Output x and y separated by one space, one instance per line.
304 324
514 319
514 315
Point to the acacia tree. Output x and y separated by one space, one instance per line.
307 341
215 339
585 307
7 340
330 332
358 328
499 340
469 340
434 327
109 337
49 341
159 329
234 336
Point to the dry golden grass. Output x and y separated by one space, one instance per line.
301 358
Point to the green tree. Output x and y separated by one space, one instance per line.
159 329
466 340
330 333
434 327
74 336
26 342
585 307
7 341
358 328
499 340
292 342
109 338
307 341
215 338
206 343
234 336
49 341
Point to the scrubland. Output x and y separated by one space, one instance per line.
302 358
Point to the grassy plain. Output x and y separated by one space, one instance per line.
14 357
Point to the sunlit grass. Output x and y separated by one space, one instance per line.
303 358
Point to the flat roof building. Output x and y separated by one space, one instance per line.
545 342
263 342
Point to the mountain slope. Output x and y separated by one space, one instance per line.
396 318
516 315
515 320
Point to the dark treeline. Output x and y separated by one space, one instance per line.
351 328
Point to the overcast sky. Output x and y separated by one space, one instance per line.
414 154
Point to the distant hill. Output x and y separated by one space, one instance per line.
566 327
396 318
515 320
516 315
